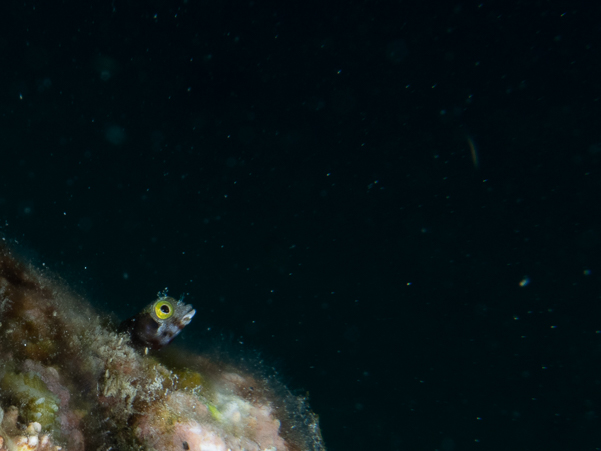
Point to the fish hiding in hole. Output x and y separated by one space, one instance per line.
159 323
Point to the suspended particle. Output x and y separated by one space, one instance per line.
473 152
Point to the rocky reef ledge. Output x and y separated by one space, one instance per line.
69 380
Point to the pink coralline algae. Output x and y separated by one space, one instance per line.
70 380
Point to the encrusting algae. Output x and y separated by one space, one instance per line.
71 381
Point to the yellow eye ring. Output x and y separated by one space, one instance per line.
163 309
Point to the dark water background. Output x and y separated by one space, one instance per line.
304 171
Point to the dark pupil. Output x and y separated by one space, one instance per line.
165 308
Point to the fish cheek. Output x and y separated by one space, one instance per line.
146 333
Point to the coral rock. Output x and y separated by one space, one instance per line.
69 379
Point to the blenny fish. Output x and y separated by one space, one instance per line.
159 323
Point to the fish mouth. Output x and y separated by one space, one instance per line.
188 316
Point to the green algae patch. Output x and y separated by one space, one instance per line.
30 394
215 412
